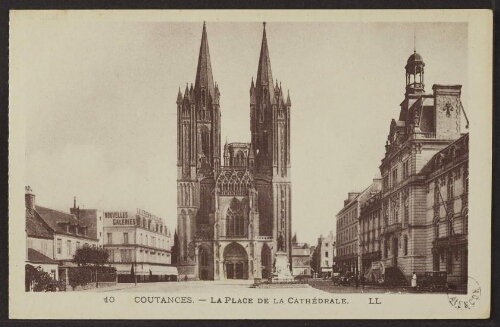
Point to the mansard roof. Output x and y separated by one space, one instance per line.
447 155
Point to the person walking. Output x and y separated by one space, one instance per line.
357 279
414 281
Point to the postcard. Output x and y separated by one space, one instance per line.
304 164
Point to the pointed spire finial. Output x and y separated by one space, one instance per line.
264 23
414 40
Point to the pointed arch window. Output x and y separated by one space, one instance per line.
203 98
205 141
265 143
405 245
234 219
436 229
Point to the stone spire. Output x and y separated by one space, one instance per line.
204 77
264 73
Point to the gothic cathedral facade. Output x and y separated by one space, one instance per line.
234 212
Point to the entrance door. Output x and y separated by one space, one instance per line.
230 271
239 270
395 252
236 260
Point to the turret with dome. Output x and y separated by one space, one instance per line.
415 74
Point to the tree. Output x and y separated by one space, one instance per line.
87 257
175 249
39 280
90 256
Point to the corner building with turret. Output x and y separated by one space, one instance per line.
234 212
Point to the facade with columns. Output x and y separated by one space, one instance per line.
234 214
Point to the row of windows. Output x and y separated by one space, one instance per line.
149 241
348 218
69 246
348 234
346 250
450 225
394 177
127 255
450 189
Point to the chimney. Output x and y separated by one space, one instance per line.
29 199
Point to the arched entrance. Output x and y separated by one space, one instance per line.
395 251
205 264
266 261
235 262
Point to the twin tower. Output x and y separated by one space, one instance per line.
234 212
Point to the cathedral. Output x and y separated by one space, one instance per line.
234 212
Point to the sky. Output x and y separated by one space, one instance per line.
99 101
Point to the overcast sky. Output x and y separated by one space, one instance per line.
99 99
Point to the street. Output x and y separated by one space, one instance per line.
316 287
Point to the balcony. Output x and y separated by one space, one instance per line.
452 240
392 228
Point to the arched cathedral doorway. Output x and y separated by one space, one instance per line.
205 264
266 261
235 262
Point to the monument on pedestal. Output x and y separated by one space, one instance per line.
281 273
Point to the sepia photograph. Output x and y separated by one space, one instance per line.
250 164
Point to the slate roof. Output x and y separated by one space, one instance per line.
446 155
53 218
36 227
37 257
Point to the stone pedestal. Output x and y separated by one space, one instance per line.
281 273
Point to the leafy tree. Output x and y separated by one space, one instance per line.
90 256
40 280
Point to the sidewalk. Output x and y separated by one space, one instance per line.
118 286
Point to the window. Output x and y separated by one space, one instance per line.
436 193
126 255
465 180
386 182
465 225
450 188
326 254
125 238
77 245
111 255
59 246
68 243
147 243
110 238
449 263
141 239
405 245
326 244
436 229
86 245
405 169
394 177
450 225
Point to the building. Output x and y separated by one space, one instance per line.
301 258
139 246
370 225
325 252
447 187
234 212
53 236
92 218
418 231
348 241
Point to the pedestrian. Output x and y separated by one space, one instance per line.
414 281
356 279
185 278
362 281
